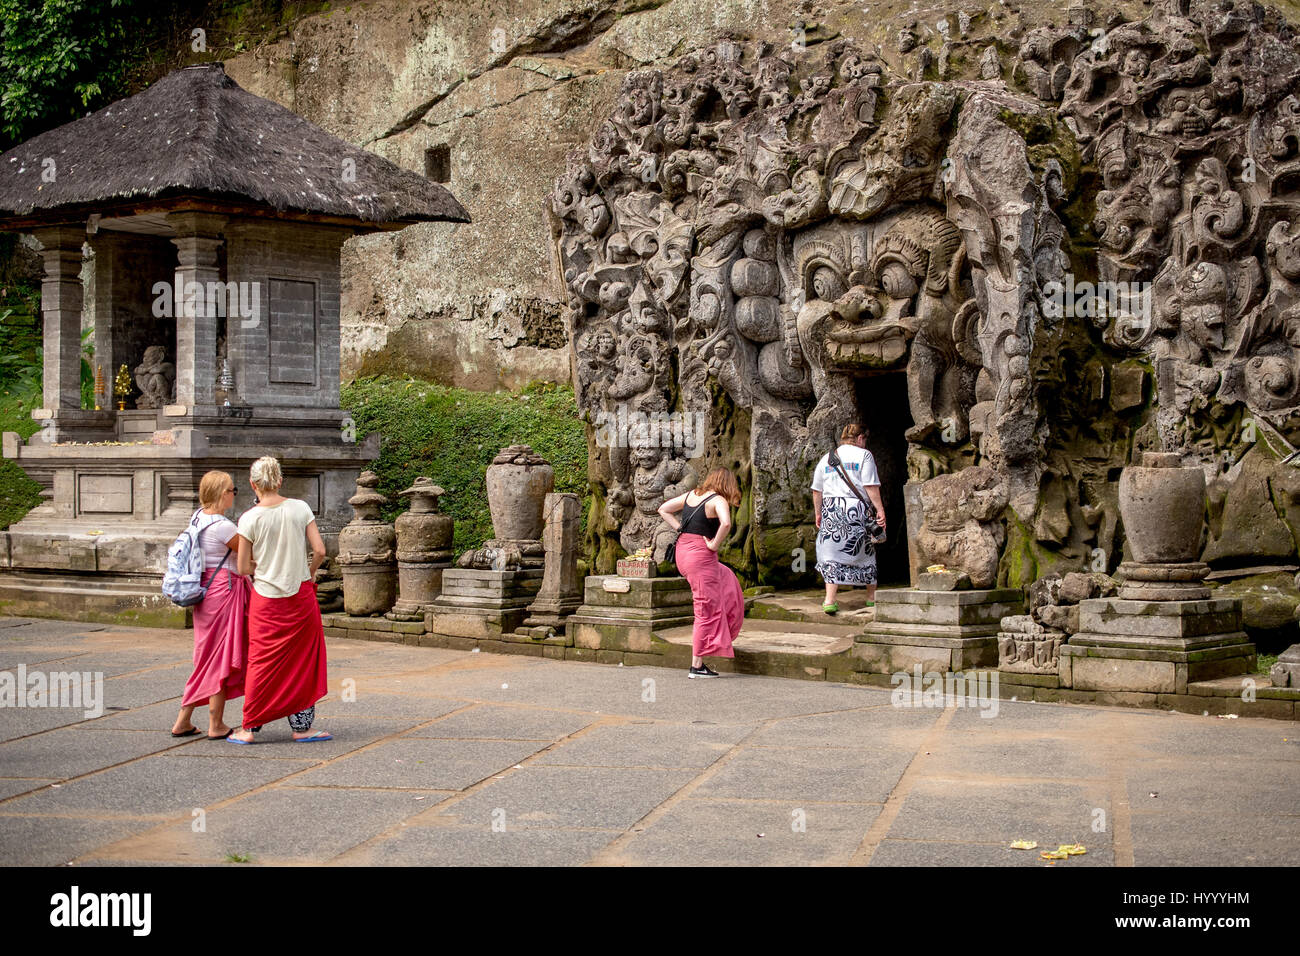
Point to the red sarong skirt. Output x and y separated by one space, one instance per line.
286 656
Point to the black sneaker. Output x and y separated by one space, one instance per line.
702 671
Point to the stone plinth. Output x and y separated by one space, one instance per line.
482 604
623 613
1155 646
941 630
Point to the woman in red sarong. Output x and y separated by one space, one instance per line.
221 618
286 642
719 602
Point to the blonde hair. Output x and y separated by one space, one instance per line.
724 483
212 487
266 474
851 433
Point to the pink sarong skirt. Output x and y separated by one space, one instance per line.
719 602
220 640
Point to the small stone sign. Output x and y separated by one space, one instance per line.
617 585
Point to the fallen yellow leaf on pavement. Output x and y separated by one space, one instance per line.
1025 845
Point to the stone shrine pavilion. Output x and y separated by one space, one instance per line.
214 220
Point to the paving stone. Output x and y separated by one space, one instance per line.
507 723
459 846
1193 736
422 764
18 722
648 745
864 728
324 822
848 776
1249 838
53 841
570 797
948 854
726 833
11 787
138 690
72 751
371 704
967 751
155 786
1187 786
977 812
275 741
162 716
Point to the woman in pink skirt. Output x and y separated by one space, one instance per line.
221 618
719 603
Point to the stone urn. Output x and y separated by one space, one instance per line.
423 550
518 481
1162 505
367 553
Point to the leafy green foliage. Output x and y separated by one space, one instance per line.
451 436
60 57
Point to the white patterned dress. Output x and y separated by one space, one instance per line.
845 554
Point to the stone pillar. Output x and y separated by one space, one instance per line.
197 241
423 551
61 304
561 591
367 547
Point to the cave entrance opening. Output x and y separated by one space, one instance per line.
886 414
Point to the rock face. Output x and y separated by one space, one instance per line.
731 214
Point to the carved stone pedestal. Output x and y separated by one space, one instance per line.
940 630
423 551
623 613
1286 672
1155 646
1027 647
561 591
367 553
482 604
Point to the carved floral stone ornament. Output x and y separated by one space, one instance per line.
755 235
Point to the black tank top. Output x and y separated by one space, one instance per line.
698 522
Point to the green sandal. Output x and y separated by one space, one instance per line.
830 608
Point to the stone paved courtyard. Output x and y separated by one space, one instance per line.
462 758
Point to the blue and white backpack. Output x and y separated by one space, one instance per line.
183 581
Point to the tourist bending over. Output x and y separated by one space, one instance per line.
719 603
846 553
221 618
286 642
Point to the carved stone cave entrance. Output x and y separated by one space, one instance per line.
882 401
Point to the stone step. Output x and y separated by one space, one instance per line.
806 607
780 639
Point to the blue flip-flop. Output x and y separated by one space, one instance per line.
317 737
235 740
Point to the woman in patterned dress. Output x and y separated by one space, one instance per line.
845 553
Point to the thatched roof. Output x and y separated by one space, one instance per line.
197 133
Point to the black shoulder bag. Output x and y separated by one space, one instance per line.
874 531
670 554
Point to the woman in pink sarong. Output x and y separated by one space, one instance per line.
221 618
719 603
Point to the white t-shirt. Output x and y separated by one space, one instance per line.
217 532
859 464
278 537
